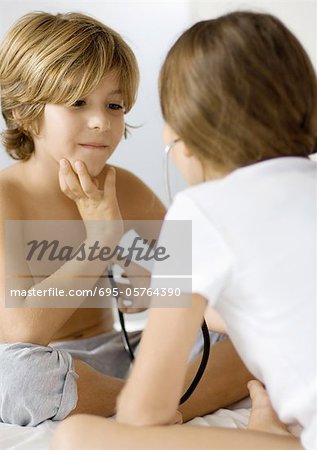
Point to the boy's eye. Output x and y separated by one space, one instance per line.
115 107
78 103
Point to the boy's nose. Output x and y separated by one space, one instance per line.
99 122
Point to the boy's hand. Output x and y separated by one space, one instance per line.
93 204
127 304
134 296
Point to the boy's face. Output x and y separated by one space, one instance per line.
88 131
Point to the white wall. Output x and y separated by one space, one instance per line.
150 27
300 16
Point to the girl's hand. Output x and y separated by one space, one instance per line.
93 204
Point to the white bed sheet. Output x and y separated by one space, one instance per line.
13 437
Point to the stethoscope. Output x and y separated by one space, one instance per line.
204 328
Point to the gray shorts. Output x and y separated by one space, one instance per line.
39 383
104 352
36 383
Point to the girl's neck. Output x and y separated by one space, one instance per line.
212 173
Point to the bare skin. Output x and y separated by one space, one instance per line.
84 431
223 383
104 435
265 431
97 393
263 417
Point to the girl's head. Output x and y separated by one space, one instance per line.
57 59
240 89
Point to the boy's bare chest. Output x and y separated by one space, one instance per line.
51 221
43 208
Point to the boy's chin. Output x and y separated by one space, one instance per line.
95 171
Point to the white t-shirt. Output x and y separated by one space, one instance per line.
254 259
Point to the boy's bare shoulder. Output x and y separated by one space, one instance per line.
127 180
11 193
137 201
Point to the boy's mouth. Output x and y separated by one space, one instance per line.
94 146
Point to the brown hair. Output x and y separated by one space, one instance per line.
60 58
240 89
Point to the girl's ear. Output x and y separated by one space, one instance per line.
188 152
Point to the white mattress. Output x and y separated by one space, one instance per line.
13 437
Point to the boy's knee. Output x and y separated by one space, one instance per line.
36 383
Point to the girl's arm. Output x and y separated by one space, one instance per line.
152 393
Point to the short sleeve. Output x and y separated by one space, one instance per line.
212 260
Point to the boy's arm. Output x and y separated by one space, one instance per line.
137 201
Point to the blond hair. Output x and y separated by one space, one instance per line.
46 58
240 89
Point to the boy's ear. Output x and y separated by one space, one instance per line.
32 129
16 118
16 113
